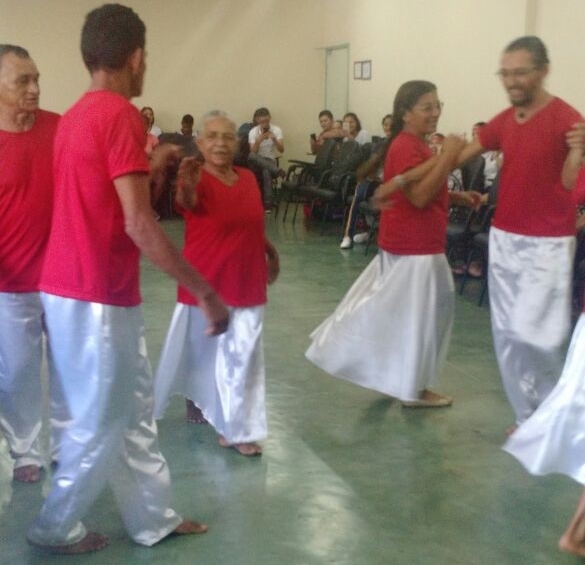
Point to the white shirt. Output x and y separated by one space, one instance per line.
267 147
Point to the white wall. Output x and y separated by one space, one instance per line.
453 43
241 54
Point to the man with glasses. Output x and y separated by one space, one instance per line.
532 240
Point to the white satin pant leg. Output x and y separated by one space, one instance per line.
530 282
21 392
391 331
100 357
223 375
552 440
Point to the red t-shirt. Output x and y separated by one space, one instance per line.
26 201
531 197
225 242
404 228
578 192
89 256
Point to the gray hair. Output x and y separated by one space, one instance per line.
214 115
6 48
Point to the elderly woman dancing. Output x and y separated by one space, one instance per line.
222 377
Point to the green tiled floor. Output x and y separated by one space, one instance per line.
346 478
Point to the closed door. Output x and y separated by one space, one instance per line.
337 80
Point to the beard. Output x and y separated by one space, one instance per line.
526 98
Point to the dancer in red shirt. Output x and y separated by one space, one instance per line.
26 200
391 331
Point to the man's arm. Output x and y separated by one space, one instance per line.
471 150
149 237
574 159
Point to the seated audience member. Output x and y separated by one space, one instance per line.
151 139
351 129
369 176
326 121
266 145
187 122
148 113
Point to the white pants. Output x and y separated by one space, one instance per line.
21 393
99 354
223 375
530 282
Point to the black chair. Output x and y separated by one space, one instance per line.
334 185
478 252
303 172
372 216
461 227
478 247
472 174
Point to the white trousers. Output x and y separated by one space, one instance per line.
391 331
530 282
100 358
21 391
223 375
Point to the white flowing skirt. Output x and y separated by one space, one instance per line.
552 440
224 375
391 331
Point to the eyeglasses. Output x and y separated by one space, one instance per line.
430 108
515 73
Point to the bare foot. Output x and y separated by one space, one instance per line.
511 430
246 449
428 399
90 543
27 474
188 527
194 415
568 545
475 269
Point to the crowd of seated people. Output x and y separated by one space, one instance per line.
351 128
